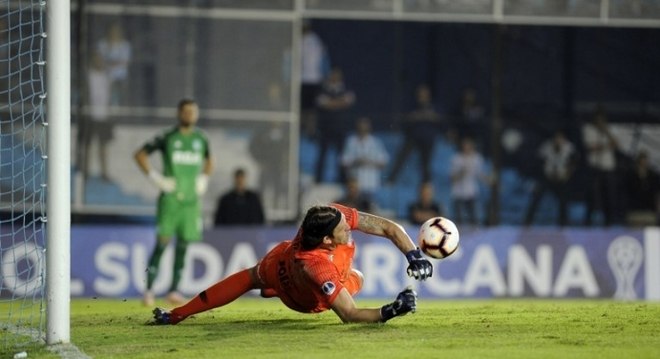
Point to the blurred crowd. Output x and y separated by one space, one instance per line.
581 162
615 188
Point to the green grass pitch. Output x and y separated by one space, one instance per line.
264 328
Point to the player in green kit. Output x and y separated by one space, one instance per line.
187 165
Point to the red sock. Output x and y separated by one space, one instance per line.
221 293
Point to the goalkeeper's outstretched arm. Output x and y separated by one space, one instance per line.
419 267
383 227
344 306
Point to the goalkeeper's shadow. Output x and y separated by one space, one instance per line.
292 324
258 324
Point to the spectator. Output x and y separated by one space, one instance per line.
239 206
116 53
420 129
600 146
364 157
315 66
467 169
425 207
558 156
334 104
470 119
643 193
97 125
354 197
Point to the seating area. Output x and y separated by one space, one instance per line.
394 198
515 188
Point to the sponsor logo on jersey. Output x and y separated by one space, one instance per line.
186 158
328 288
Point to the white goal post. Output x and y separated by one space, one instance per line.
58 111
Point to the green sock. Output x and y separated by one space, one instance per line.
179 261
154 263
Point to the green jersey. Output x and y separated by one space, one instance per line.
183 158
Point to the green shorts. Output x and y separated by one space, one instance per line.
180 219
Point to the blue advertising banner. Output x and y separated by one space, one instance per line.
110 261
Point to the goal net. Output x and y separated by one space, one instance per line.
22 172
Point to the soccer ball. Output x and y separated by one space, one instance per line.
438 237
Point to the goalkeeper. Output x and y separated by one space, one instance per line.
187 166
313 272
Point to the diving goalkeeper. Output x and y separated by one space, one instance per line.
313 272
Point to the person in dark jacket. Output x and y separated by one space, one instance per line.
239 206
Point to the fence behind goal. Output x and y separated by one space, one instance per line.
22 172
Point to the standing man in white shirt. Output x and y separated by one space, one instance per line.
558 155
467 169
97 125
364 157
116 53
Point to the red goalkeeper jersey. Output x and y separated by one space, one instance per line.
309 281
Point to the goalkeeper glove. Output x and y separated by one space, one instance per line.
405 303
165 184
201 184
418 267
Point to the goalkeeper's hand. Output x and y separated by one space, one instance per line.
201 184
165 184
418 267
406 302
